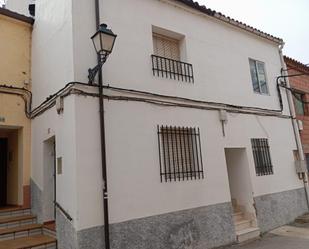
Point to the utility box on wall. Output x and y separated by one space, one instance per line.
301 166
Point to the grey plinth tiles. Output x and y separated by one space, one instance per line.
199 228
36 201
274 210
66 235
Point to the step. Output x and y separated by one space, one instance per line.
13 211
242 224
248 234
50 232
49 228
33 242
21 231
14 221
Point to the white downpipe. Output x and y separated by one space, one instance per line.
294 122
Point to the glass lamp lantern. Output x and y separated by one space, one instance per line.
104 40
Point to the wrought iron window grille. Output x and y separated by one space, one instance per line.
180 153
172 69
261 155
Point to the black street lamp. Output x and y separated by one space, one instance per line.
103 41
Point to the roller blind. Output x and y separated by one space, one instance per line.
166 47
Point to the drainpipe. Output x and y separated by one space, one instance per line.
103 145
302 176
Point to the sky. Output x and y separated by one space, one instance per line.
287 19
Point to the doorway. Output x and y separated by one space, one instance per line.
240 181
49 180
3 171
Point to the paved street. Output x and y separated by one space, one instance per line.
287 237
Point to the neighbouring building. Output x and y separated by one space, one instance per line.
199 139
15 99
300 89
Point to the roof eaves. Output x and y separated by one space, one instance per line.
296 64
229 20
16 16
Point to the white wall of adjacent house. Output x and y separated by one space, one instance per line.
63 52
52 48
19 6
62 128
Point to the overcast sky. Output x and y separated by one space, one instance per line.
287 19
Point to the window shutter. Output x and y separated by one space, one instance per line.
262 77
166 47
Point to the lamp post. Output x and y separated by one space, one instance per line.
103 41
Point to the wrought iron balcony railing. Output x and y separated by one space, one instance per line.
173 69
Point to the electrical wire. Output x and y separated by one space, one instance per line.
65 91
24 93
191 100
160 103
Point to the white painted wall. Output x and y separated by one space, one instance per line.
134 184
19 6
62 127
52 48
88 163
239 178
240 129
219 53
62 52
48 194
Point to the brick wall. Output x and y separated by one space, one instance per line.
301 83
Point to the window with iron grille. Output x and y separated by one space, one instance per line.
166 59
180 153
261 154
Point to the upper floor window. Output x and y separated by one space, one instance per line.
299 99
258 76
166 47
168 53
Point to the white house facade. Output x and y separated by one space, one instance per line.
200 146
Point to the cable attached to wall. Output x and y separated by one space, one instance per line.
23 93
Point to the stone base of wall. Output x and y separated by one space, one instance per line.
36 201
66 234
199 228
274 210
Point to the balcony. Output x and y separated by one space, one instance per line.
172 69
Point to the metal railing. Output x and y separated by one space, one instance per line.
173 69
65 213
261 155
180 153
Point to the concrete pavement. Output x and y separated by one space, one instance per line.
293 236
